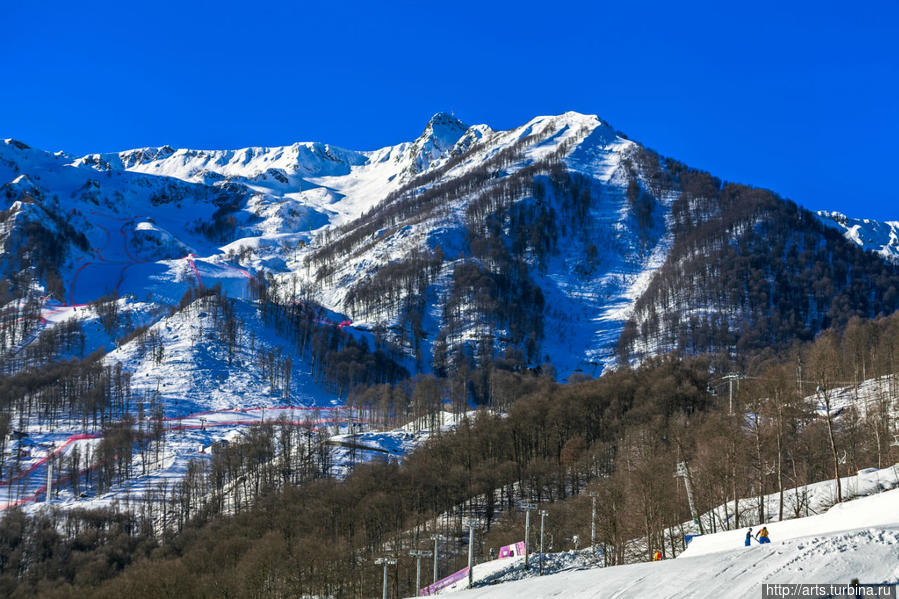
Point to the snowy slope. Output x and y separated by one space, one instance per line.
877 510
156 220
151 223
880 237
135 226
340 183
285 197
142 215
586 310
858 539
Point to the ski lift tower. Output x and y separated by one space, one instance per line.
543 515
436 538
386 561
472 526
418 554
50 449
730 378
528 508
593 496
682 472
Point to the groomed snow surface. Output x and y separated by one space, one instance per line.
856 539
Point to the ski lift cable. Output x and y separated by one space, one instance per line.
722 380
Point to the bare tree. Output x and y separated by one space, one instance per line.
824 363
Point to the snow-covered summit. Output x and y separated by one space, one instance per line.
306 158
880 237
301 159
440 136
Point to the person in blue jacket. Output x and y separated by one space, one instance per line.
748 537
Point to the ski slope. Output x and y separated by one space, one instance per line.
857 539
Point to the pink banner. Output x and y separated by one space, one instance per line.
513 550
444 582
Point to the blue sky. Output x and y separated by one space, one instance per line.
801 99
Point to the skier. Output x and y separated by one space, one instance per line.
748 537
657 556
762 537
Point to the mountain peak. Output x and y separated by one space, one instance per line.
443 117
438 138
444 128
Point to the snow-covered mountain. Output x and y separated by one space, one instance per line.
149 216
543 243
277 279
880 237
156 304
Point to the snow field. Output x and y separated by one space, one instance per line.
857 539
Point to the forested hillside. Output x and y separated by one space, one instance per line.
619 436
749 270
